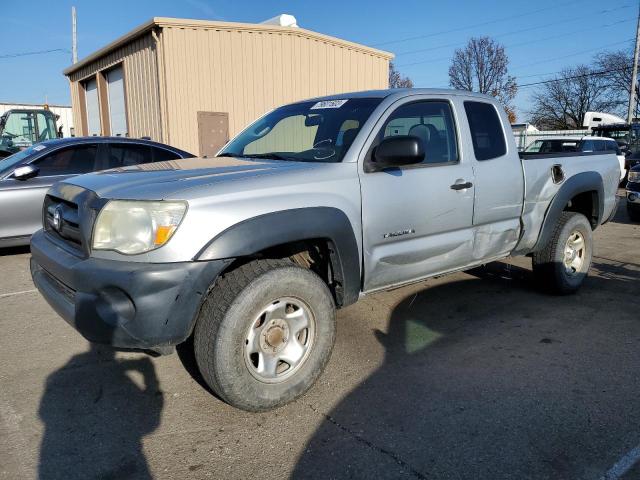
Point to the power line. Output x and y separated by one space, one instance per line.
602 72
433 60
564 56
577 53
537 27
39 52
467 27
572 77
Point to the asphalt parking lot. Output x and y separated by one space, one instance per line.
473 375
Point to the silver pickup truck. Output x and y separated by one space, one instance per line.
311 207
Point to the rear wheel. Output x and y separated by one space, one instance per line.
562 265
264 334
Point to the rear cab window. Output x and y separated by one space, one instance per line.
486 130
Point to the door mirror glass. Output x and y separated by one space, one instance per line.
396 151
25 172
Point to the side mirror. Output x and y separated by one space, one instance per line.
396 152
25 172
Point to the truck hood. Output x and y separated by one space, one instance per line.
166 179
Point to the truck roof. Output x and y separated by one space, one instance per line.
400 92
106 139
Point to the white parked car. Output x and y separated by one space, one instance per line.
576 143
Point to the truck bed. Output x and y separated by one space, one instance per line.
541 187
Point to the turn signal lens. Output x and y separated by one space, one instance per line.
163 234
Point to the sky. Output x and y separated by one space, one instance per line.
540 38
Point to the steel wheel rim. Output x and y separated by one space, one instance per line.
574 253
279 340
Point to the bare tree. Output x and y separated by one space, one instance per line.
561 103
482 66
617 71
396 80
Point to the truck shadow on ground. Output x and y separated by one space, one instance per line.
488 378
622 216
8 251
96 409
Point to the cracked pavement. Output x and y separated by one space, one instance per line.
471 375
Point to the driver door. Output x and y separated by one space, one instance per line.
418 219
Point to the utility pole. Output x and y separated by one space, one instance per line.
634 75
74 37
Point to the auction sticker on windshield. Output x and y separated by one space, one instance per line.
329 104
37 148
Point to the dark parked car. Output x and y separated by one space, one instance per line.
633 194
26 176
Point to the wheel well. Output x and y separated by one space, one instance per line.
585 203
317 255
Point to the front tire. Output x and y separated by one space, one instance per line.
562 265
264 334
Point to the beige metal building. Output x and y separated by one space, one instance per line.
194 83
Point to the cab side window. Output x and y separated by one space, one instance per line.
432 123
162 154
588 146
124 155
69 161
612 146
486 130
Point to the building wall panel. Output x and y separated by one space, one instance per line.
241 69
141 86
247 73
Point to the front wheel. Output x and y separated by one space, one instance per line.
562 265
264 334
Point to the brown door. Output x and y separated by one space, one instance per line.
213 132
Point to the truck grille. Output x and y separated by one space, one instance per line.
61 220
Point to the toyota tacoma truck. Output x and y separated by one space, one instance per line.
315 205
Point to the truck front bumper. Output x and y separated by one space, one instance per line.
128 305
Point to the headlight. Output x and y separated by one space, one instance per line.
634 177
132 227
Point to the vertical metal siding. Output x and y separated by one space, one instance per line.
141 86
242 71
246 73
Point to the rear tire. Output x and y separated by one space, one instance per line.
264 334
562 265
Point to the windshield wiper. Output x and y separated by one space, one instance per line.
270 156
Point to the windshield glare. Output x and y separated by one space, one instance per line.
9 163
308 131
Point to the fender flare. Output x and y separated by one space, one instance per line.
278 228
580 183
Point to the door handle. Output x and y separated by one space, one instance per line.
461 186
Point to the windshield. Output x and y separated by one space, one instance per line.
9 163
19 127
308 132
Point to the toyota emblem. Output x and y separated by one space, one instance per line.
57 218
